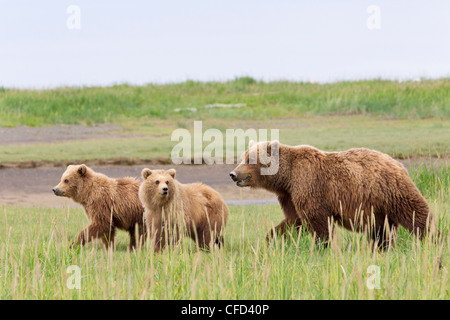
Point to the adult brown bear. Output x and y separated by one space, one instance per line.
360 189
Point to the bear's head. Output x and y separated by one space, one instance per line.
257 164
158 185
72 180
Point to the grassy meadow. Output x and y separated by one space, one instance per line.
151 140
405 120
263 100
35 255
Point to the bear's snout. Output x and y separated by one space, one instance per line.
164 191
240 178
57 192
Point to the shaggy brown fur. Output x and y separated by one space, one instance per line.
360 189
172 209
108 203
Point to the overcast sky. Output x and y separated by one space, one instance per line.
170 41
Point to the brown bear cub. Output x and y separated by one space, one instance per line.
173 209
108 203
360 189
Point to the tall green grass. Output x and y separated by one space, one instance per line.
264 100
35 255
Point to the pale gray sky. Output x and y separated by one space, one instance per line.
170 41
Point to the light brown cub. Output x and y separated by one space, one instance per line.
108 203
173 209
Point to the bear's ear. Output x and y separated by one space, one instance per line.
172 172
251 143
82 170
274 148
275 144
146 173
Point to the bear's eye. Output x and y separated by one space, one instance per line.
157 181
66 181
167 182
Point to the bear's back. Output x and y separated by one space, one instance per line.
201 199
366 179
127 206
364 164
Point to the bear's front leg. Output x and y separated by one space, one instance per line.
160 240
280 230
155 231
170 234
104 232
291 217
313 211
319 222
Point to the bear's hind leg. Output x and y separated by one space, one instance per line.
142 233
132 232
417 222
412 212
203 239
220 241
108 238
383 234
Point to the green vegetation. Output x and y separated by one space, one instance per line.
35 255
399 138
428 98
